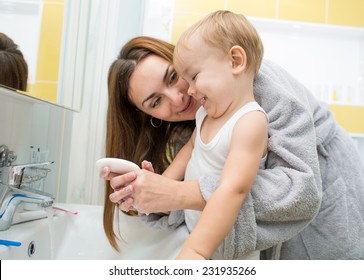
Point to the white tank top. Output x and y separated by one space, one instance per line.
209 158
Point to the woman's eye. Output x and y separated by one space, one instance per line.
194 77
156 102
173 78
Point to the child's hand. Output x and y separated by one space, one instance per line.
147 166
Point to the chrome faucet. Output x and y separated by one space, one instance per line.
12 198
13 188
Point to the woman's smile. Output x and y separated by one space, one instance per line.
188 106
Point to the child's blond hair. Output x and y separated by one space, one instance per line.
225 29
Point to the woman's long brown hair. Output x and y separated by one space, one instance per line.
13 67
129 133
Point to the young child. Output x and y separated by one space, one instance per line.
219 57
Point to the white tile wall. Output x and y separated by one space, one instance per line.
325 58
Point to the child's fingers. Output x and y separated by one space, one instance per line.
147 165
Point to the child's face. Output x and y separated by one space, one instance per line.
209 73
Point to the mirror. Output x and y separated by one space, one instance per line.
51 35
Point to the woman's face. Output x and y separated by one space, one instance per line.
156 89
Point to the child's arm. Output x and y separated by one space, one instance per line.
176 170
248 145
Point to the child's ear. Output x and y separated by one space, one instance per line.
238 59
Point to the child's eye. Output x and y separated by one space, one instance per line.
156 102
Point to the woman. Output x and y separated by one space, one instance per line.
306 204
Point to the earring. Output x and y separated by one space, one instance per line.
152 122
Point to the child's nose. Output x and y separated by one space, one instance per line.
191 91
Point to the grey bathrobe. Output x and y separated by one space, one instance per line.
309 201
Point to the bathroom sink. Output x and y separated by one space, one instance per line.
67 236
34 237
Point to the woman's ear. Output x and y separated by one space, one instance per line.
238 59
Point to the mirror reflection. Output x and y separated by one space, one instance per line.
38 28
13 67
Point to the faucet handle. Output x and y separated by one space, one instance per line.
7 157
12 156
3 155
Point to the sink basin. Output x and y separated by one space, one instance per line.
34 237
66 236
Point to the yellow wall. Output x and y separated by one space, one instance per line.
46 80
346 12
337 12
302 10
349 117
258 8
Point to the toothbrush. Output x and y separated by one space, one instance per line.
65 210
9 243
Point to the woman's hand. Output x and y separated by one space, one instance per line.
153 193
147 193
122 186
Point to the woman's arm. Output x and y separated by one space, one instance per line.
156 193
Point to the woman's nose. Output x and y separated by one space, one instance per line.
176 98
